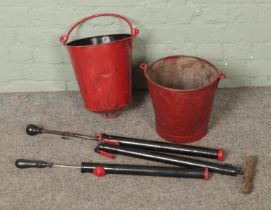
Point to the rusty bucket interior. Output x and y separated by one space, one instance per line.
182 72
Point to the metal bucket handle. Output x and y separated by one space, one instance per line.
143 66
134 31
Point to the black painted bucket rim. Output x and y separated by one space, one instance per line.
128 37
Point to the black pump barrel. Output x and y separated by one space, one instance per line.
169 159
101 169
87 167
167 147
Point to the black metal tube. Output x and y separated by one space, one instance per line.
101 169
33 130
169 159
87 167
166 147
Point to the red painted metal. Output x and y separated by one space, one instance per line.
106 154
206 174
220 154
99 171
110 141
103 71
182 116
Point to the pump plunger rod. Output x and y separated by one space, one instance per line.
33 130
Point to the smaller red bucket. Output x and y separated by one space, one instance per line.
182 89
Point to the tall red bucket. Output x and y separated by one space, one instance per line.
102 65
182 89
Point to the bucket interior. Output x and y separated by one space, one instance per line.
104 39
182 72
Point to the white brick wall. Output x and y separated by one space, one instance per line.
233 34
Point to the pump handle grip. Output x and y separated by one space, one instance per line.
24 163
33 130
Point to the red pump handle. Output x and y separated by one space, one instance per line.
134 31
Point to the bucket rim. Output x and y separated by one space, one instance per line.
113 42
181 90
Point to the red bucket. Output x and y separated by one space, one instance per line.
182 89
102 65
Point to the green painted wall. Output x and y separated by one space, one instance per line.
235 35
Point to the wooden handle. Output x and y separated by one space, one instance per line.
247 184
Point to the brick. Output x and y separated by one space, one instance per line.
165 35
8 37
263 51
181 14
155 51
215 14
187 48
204 34
211 51
155 15
20 54
4 55
258 67
119 3
232 33
219 2
11 71
62 18
8 3
265 14
66 58
244 82
173 3
31 86
244 13
29 3
251 68
47 72
39 37
69 72
16 17
41 72
51 55
232 68
238 51
257 33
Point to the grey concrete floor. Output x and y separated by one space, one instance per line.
241 123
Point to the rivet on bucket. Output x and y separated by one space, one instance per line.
182 89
